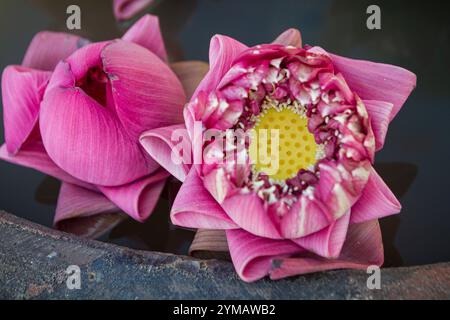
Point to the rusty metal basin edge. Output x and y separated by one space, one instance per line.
34 261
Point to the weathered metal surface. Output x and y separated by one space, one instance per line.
33 260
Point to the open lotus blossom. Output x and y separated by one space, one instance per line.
319 210
75 110
127 9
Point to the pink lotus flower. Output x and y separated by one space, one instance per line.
75 111
320 209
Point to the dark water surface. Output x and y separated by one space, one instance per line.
414 161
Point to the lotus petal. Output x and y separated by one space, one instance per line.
306 217
146 92
160 146
22 92
290 37
34 156
252 255
216 181
223 51
247 211
100 152
362 248
377 81
78 202
376 201
47 49
85 213
192 114
380 115
147 33
328 242
139 198
127 9
190 73
194 207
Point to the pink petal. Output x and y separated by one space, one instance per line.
252 256
146 92
222 52
85 213
159 145
319 51
305 218
34 156
87 141
377 81
22 92
48 48
127 9
290 37
194 207
376 201
247 211
69 72
329 241
380 114
147 33
363 247
216 181
139 198
77 202
192 120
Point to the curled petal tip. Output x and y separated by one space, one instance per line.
201 211
380 113
253 256
146 32
159 145
22 92
223 51
138 198
376 201
290 37
48 48
377 81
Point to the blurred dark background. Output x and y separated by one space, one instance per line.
414 161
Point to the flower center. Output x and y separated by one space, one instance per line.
286 153
94 84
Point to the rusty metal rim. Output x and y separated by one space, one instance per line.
34 260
